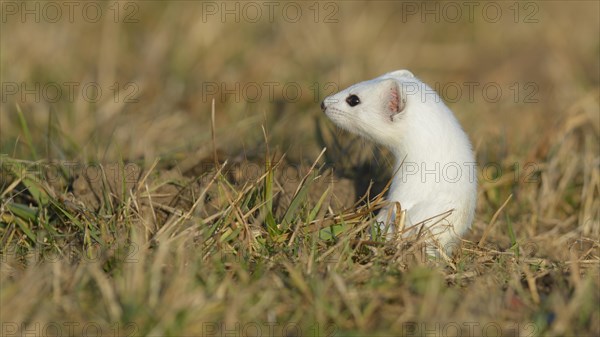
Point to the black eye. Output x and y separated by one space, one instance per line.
353 100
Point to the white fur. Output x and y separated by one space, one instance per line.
435 165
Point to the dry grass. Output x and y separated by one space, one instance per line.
126 217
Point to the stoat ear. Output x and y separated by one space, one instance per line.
401 73
396 101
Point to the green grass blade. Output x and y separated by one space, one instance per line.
298 199
38 193
313 213
22 211
26 132
513 238
268 195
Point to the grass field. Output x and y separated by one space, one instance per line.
129 205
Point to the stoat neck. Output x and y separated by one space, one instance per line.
429 154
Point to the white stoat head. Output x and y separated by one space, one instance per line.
386 108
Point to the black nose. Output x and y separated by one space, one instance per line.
323 105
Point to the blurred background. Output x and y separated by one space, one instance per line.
135 80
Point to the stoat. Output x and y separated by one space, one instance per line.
434 167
